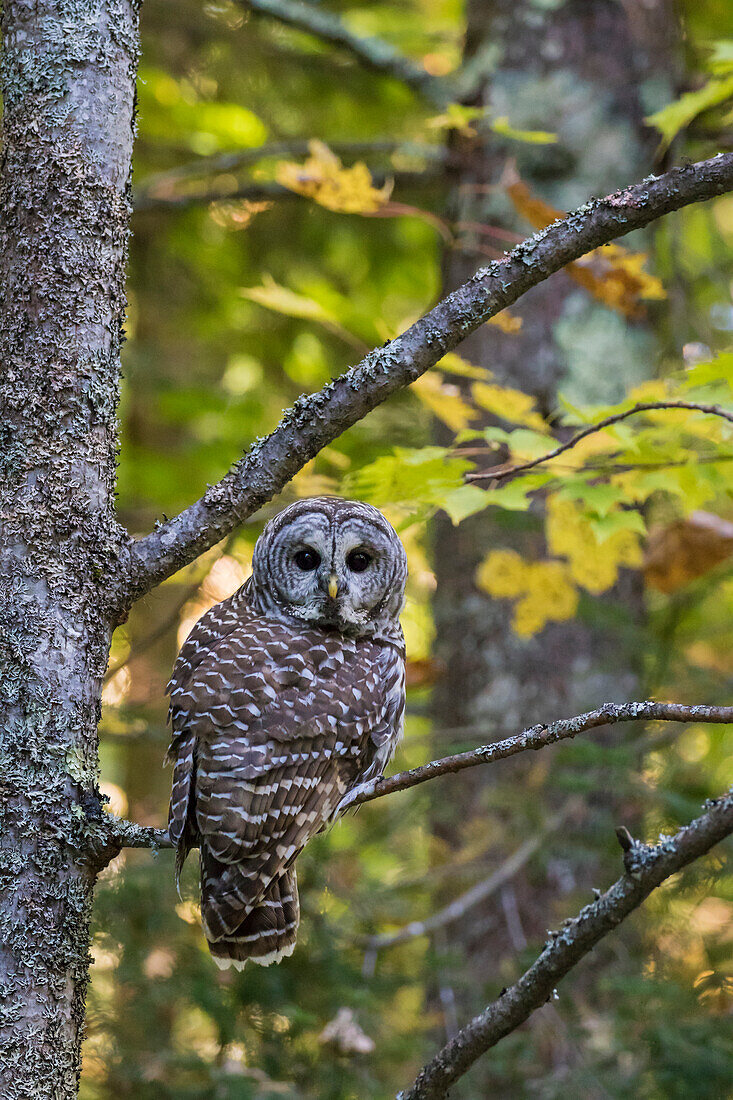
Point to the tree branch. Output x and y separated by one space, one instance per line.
538 737
316 420
128 835
161 184
482 890
372 52
646 867
266 191
504 471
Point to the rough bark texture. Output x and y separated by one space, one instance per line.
68 87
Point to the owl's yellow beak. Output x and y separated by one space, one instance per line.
333 586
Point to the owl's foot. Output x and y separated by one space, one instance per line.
351 796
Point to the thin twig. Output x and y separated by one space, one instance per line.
505 470
318 419
371 52
646 867
480 892
537 737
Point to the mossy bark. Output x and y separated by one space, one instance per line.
68 80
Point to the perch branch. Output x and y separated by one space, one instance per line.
646 867
316 420
371 52
500 472
536 737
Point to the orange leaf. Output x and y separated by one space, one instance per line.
611 274
687 549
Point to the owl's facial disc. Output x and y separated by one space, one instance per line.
336 568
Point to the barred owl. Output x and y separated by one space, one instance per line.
284 699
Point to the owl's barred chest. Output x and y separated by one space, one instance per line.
261 684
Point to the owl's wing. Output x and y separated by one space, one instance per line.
201 643
283 724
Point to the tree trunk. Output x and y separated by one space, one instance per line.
574 68
68 86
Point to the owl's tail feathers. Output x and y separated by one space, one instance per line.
267 934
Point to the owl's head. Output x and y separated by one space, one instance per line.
333 563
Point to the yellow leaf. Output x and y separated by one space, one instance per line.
236 214
544 590
507 322
444 400
502 574
281 299
453 364
324 179
457 117
611 274
594 565
509 404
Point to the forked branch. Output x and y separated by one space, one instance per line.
316 420
646 867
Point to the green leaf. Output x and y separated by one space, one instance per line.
620 520
679 114
529 137
466 501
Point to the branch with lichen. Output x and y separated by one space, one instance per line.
316 420
646 867
372 52
125 834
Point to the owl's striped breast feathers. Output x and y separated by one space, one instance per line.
272 725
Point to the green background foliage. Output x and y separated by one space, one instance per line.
208 369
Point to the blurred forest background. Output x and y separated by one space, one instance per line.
260 267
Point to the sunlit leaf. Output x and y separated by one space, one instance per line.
444 400
324 179
529 137
679 114
509 404
458 117
507 322
544 590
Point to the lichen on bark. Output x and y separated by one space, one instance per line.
68 71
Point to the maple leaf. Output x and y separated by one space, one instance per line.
324 179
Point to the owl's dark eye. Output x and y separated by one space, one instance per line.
358 561
307 559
